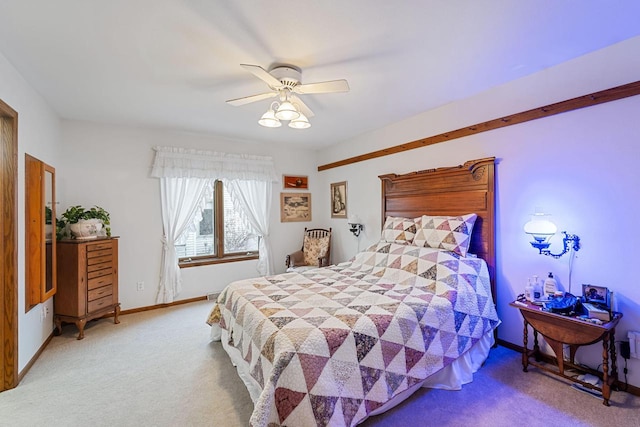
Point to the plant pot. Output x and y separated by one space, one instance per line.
86 228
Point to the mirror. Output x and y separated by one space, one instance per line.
40 232
49 232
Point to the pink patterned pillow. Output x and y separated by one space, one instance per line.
398 230
452 233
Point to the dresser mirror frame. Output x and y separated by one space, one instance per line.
40 232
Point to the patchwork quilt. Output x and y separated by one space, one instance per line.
331 345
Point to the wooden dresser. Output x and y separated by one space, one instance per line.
87 276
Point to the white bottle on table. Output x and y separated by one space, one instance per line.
528 290
550 286
538 291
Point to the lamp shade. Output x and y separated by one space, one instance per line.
354 219
269 120
300 123
287 111
540 227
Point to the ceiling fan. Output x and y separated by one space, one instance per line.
285 82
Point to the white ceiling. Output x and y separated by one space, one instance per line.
173 63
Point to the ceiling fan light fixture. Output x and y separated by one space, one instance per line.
269 120
285 82
287 111
300 123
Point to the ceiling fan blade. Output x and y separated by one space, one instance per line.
323 87
263 75
249 99
303 107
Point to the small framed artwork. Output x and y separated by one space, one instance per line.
295 207
596 294
339 200
295 182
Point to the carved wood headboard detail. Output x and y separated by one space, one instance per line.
450 191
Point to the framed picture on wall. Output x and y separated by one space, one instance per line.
295 182
295 207
339 200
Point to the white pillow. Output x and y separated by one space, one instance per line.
452 233
398 230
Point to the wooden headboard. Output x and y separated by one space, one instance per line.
450 191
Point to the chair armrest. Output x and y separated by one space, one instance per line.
323 261
295 258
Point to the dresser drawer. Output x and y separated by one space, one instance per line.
104 272
99 246
101 266
100 303
99 282
98 293
102 259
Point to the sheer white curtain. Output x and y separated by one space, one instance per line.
179 162
184 176
254 199
180 200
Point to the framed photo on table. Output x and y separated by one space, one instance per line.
295 207
596 295
339 200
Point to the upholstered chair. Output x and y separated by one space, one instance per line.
315 252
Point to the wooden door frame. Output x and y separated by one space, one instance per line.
9 250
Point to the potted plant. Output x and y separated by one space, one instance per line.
48 225
84 223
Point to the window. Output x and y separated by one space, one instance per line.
222 234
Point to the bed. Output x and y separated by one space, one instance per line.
335 345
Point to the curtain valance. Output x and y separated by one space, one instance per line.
176 162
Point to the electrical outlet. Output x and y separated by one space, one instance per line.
140 286
634 344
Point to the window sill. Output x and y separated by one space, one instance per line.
196 262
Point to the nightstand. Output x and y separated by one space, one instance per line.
558 330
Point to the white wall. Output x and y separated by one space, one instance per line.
581 166
39 136
109 166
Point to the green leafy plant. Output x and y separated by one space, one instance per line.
73 214
61 226
97 212
47 215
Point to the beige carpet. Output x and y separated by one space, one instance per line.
157 368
